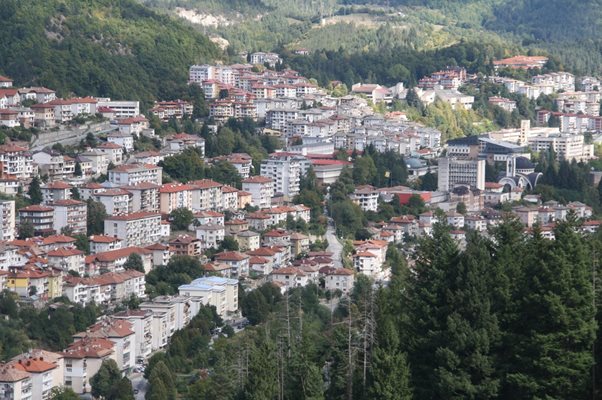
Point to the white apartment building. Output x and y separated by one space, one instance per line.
121 109
566 146
206 195
137 229
7 220
339 279
210 234
285 171
116 201
261 189
366 197
214 291
141 323
278 119
132 174
70 214
83 359
16 161
454 171
45 368
179 309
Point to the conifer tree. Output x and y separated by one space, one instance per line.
35 192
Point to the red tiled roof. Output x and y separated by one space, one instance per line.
231 256
112 255
65 252
257 179
133 216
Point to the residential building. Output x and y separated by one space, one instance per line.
338 279
46 370
248 240
55 191
285 171
15 384
120 108
173 196
206 195
116 201
136 229
222 293
7 220
16 161
132 174
238 262
67 259
141 324
366 197
261 189
124 140
83 359
145 197
41 217
210 235
186 245
102 243
70 214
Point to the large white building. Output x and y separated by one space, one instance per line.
261 189
136 229
285 170
453 171
214 291
121 109
7 220
132 174
70 214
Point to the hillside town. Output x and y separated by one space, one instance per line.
254 229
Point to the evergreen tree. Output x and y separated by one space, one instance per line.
122 391
35 192
156 390
134 261
263 372
63 393
553 333
96 217
78 169
75 193
161 372
106 379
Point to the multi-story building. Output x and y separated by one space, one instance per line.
145 197
119 332
15 384
83 359
279 119
210 235
339 279
136 229
132 174
16 160
261 189
41 217
45 368
102 243
121 109
366 197
54 164
116 201
70 214
186 245
454 171
566 146
173 196
7 220
141 322
55 191
222 293
67 259
238 262
113 151
206 195
285 170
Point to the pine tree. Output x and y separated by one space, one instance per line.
160 371
122 391
156 390
35 192
553 334
263 378
78 169
107 377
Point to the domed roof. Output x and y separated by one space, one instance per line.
524 163
415 163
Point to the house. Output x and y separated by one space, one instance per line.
261 189
206 195
289 277
102 243
181 141
209 217
259 221
260 265
161 254
179 309
113 151
136 229
338 279
9 118
238 262
67 259
229 198
132 126
43 115
366 197
299 243
211 235
70 214
186 245
248 240
123 140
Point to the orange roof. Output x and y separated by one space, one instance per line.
205 184
57 185
231 256
262 252
133 216
53 239
89 347
35 365
257 179
107 328
103 239
68 202
112 255
65 252
36 208
364 254
174 188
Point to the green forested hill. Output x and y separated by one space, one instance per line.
115 48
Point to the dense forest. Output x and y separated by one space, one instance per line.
506 317
120 49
